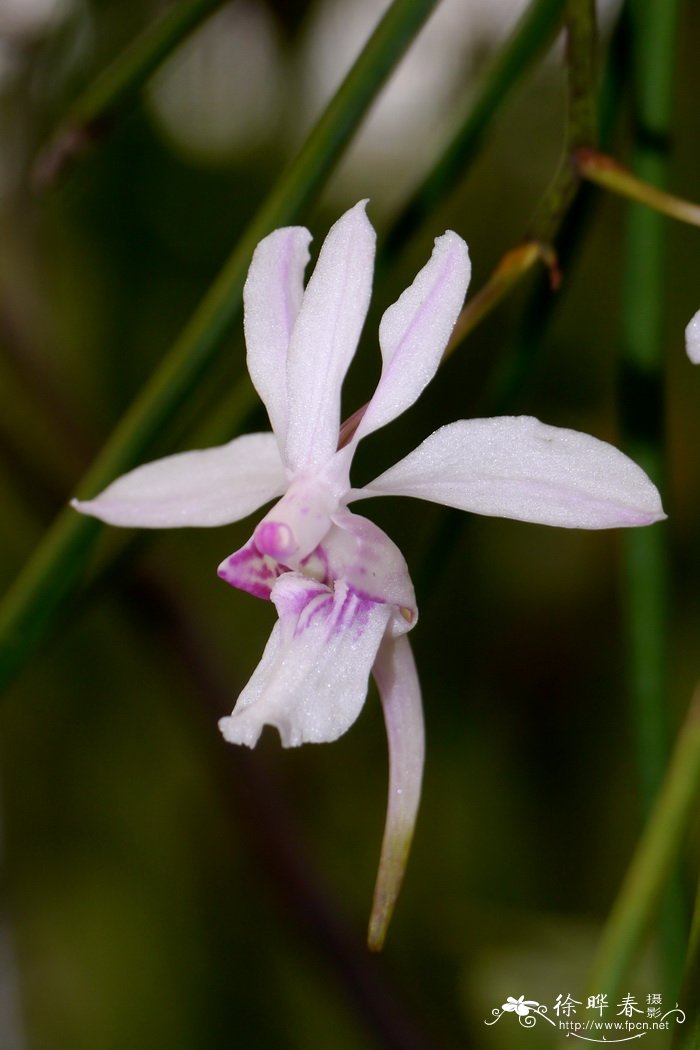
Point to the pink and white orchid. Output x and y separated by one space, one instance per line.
342 591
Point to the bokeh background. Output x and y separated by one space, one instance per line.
161 889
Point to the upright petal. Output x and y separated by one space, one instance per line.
517 467
413 333
395 673
692 338
312 680
325 338
212 486
271 298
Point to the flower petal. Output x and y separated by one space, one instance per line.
395 673
362 554
312 680
272 296
692 339
249 570
517 467
325 338
413 333
212 486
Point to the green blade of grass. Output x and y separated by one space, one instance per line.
96 108
646 576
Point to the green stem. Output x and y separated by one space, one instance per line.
663 838
581 126
531 36
582 57
612 176
646 579
52 574
94 110
689 1037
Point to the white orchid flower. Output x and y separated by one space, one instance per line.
341 588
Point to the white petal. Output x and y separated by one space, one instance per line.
395 673
692 339
325 338
272 296
359 552
413 333
312 680
212 486
517 467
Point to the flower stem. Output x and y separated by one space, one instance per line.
653 861
581 126
95 109
52 574
581 130
607 173
646 570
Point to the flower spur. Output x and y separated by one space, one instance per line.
341 587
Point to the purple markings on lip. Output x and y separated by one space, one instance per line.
249 570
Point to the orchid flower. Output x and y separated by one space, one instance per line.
341 587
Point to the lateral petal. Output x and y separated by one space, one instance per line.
271 299
517 467
325 338
399 689
362 554
212 486
413 333
312 680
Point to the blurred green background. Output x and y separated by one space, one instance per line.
161 889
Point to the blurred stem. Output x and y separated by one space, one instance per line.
510 377
663 838
52 574
98 105
607 173
581 46
581 64
689 1037
533 33
581 129
646 569
508 273
581 126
